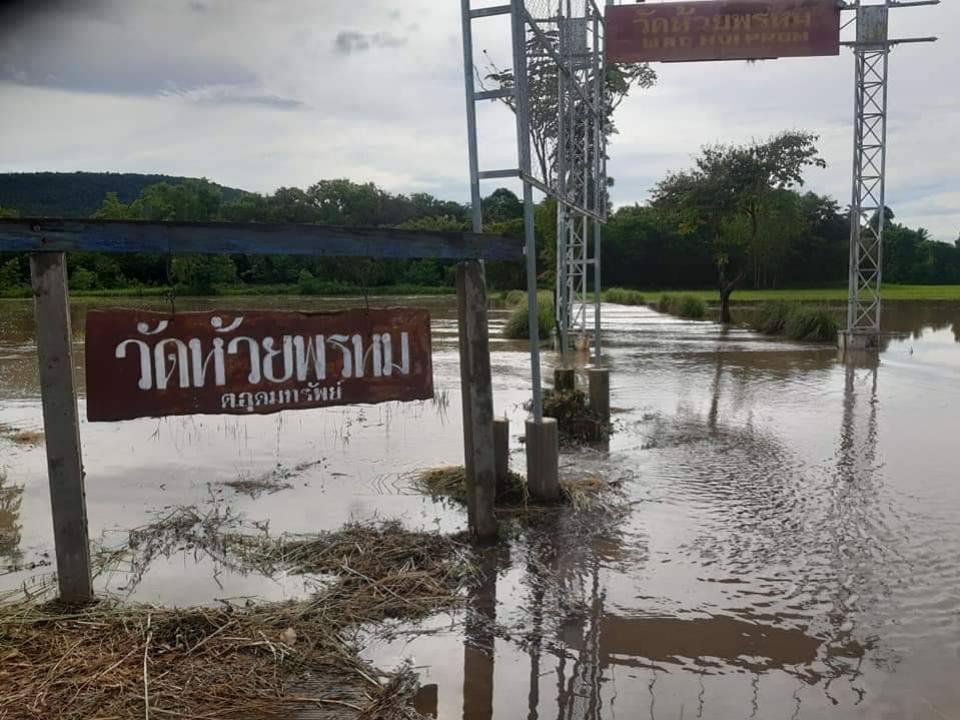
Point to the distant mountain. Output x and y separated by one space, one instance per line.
77 194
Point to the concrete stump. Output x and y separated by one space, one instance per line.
543 459
599 379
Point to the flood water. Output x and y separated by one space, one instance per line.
788 545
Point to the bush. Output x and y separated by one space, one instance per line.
623 296
518 328
512 298
685 306
10 277
691 307
83 279
798 322
771 317
816 324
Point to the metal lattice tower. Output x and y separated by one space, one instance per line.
871 57
867 207
580 172
557 96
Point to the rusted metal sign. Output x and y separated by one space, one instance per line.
148 364
722 30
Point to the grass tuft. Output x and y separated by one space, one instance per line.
449 482
624 296
798 322
512 298
517 326
686 306
815 324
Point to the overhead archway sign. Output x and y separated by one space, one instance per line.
722 30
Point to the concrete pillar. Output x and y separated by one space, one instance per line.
501 453
564 379
599 379
543 460
858 342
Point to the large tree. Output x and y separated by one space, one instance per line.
723 197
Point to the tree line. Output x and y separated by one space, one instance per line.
738 218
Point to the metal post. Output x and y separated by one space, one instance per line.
518 20
597 229
599 188
475 202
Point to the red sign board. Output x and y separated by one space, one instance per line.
148 364
722 30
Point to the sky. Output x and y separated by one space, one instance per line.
259 94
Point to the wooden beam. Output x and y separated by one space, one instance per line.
477 398
48 274
215 238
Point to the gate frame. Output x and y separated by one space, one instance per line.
48 241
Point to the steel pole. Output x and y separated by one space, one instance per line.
476 209
518 20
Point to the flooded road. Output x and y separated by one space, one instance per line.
788 544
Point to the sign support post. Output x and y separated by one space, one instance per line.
477 393
48 277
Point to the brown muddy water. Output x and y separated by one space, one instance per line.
788 547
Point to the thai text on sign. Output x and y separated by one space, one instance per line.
148 364
722 30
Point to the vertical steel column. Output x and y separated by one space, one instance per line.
476 209
518 19
599 191
562 304
867 207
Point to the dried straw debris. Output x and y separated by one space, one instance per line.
114 660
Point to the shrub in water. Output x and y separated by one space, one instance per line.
514 297
771 317
811 323
517 327
664 303
623 296
690 307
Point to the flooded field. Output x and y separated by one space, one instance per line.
786 546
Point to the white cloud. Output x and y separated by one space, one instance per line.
261 94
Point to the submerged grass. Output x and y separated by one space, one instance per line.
517 326
798 322
624 296
115 660
449 482
685 306
29 438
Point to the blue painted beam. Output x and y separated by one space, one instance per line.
216 238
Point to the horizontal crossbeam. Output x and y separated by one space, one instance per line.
216 238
